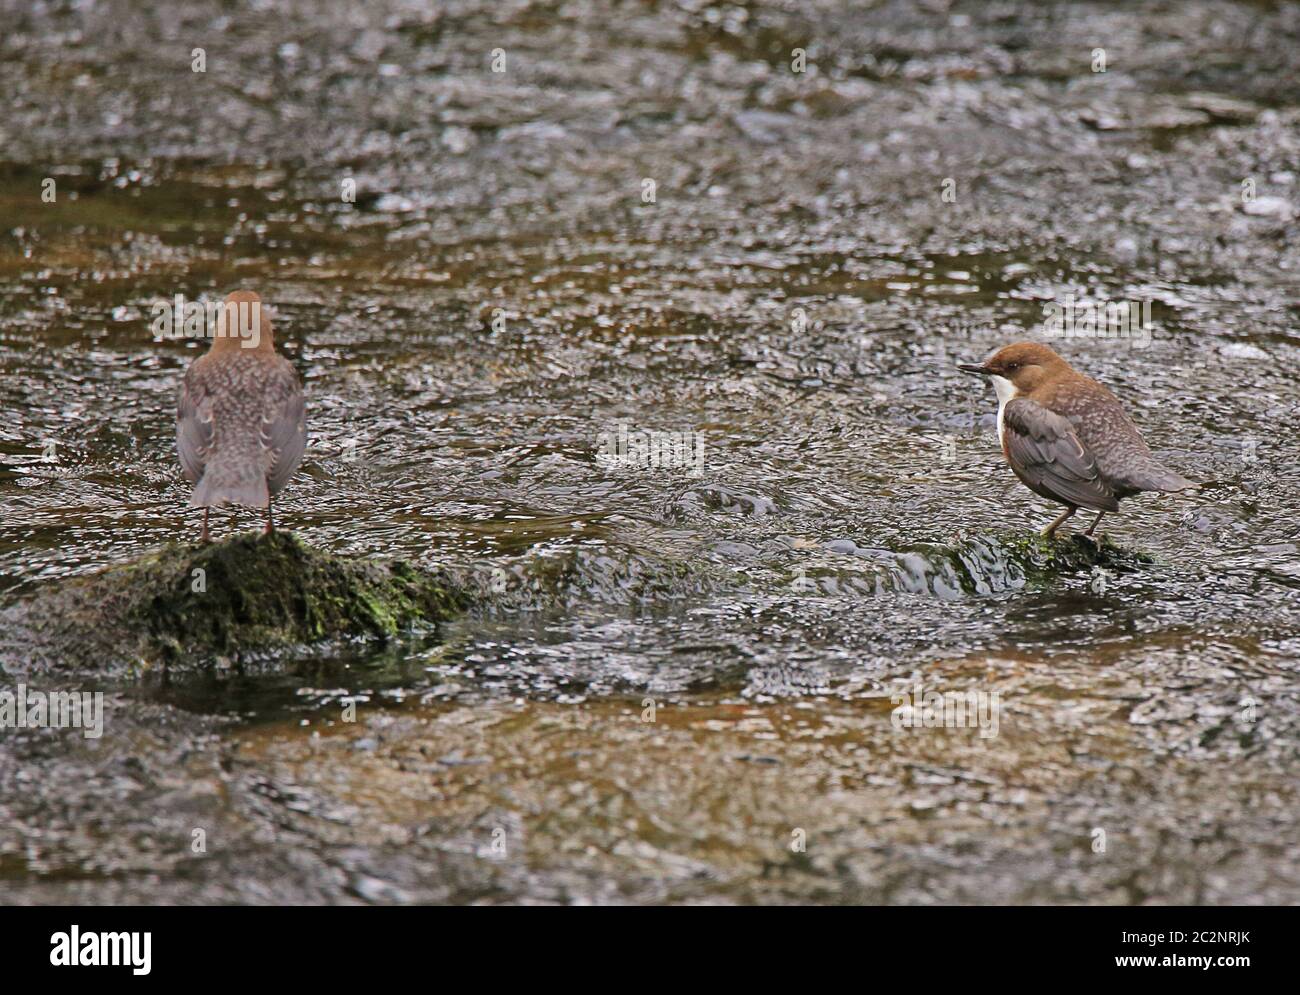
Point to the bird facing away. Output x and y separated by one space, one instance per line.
1066 436
240 424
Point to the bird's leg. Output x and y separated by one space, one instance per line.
205 538
1095 523
1051 529
270 519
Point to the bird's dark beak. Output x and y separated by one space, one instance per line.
977 369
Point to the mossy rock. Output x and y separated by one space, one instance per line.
1070 554
987 564
190 605
1013 558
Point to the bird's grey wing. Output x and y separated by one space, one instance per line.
1048 454
193 426
284 433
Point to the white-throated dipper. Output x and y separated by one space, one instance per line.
1066 436
240 424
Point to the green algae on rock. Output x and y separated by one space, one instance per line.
190 605
987 564
1071 554
968 565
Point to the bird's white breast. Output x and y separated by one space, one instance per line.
1006 391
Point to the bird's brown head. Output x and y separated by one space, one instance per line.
1025 365
242 323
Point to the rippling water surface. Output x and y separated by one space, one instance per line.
685 671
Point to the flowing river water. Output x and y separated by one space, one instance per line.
685 692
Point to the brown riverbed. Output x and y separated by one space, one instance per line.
499 295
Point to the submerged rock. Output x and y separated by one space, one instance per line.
189 605
975 565
1070 554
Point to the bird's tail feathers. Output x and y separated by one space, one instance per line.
1155 477
215 489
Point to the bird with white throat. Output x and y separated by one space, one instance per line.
1066 437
